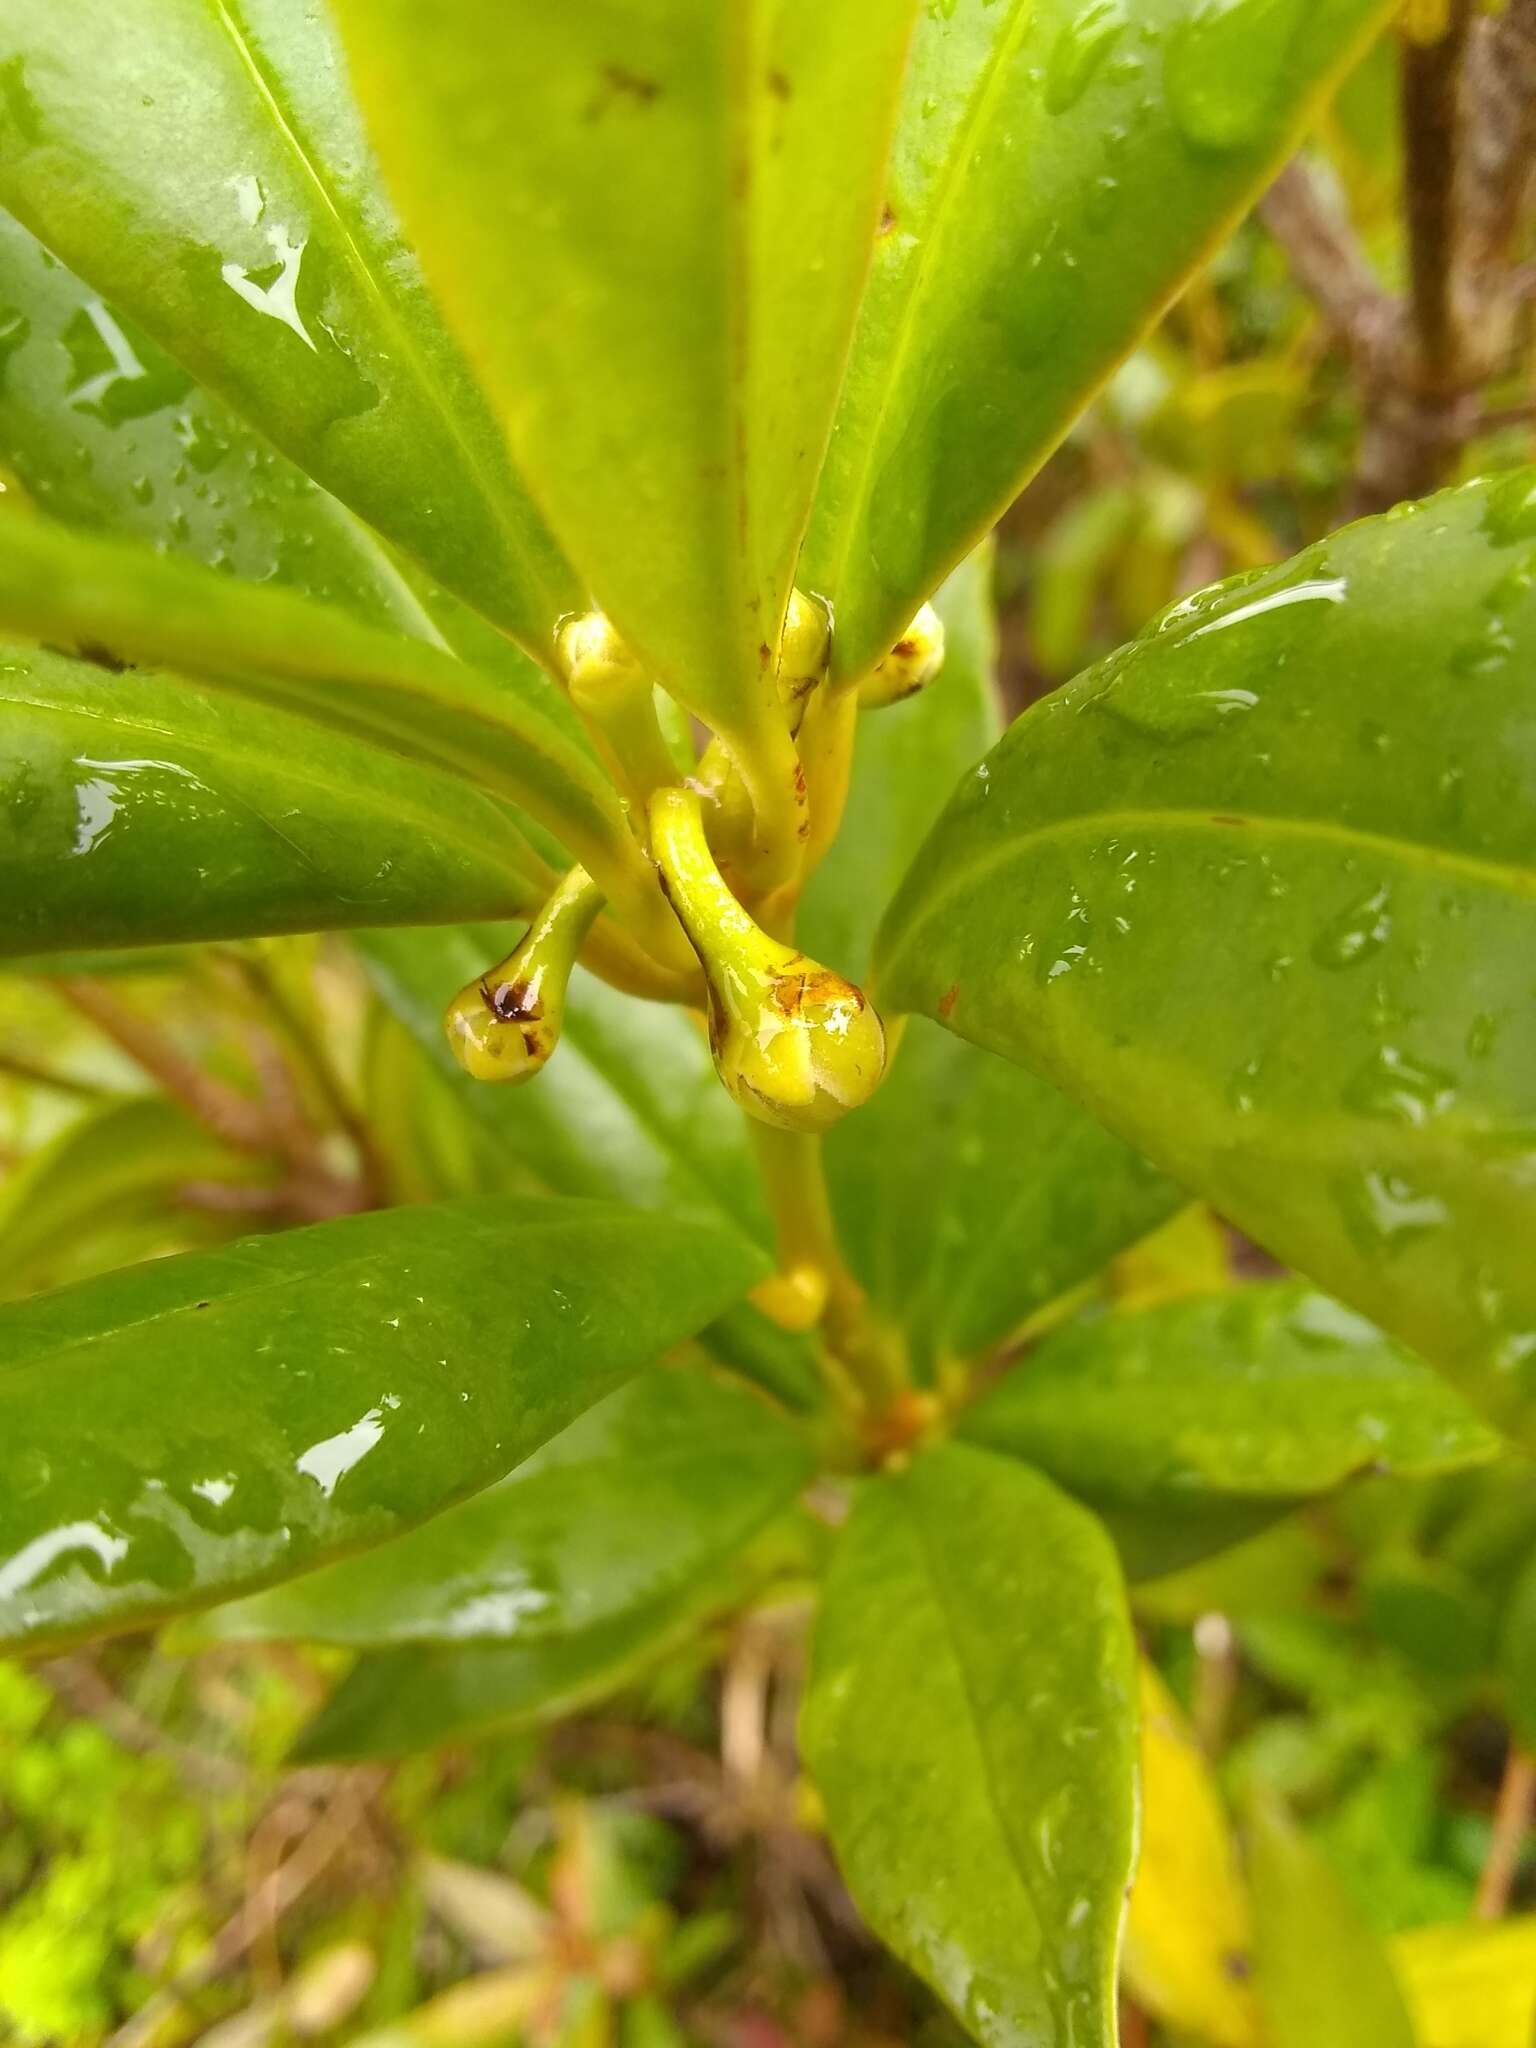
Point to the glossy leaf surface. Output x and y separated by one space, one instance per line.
639 1499
655 261
204 169
103 429
276 649
136 809
1261 891
1059 169
396 1701
971 1726
1324 1979
185 1430
1269 1392
967 1192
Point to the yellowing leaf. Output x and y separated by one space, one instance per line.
1471 1984
1188 1938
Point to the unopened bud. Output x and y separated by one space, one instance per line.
504 1025
910 666
795 1044
802 654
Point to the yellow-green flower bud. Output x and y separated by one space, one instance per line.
802 653
910 666
617 703
795 1044
504 1025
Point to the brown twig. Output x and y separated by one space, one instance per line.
1329 264
1513 1815
78 1682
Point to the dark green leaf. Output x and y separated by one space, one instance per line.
968 1194
280 650
136 809
1325 1981
396 1701
637 1501
188 1429
693 189
1261 891
203 168
1190 1425
1517 1656
971 1726
1060 167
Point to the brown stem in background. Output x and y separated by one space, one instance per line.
1513 1815
1432 115
1499 150
1330 265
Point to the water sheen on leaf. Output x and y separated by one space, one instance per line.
1260 890
1060 166
192 1428
971 1727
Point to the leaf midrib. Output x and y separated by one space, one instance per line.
388 313
1428 856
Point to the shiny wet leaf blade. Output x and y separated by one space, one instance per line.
111 783
1059 169
205 170
1260 891
275 648
190 1429
971 1727
635 1503
696 189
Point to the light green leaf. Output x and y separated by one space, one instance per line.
1260 890
639 1500
971 1726
655 259
967 1193
203 169
1325 1981
196 1427
1060 167
1271 1392
136 809
1190 1425
278 649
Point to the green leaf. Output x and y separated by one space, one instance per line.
633 1504
207 175
1260 890
1060 167
1325 1981
105 430
655 260
196 1427
1272 1392
115 1169
396 1701
971 1726
967 1194
1190 1425
1517 1655
1470 1985
136 809
280 650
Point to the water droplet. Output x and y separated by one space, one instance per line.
15 327
1385 1211
1356 932
117 379
1511 513
1079 50
250 198
273 288
1225 69
1482 1035
1401 1089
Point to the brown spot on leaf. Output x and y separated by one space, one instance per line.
779 85
948 1000
887 219
619 82
1236 1966
1223 818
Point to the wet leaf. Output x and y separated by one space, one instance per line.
277 649
1060 167
112 783
1268 1393
1188 1941
695 189
971 1726
189 1429
1324 1979
207 174
639 1500
1260 891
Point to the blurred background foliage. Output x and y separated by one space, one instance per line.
653 1872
